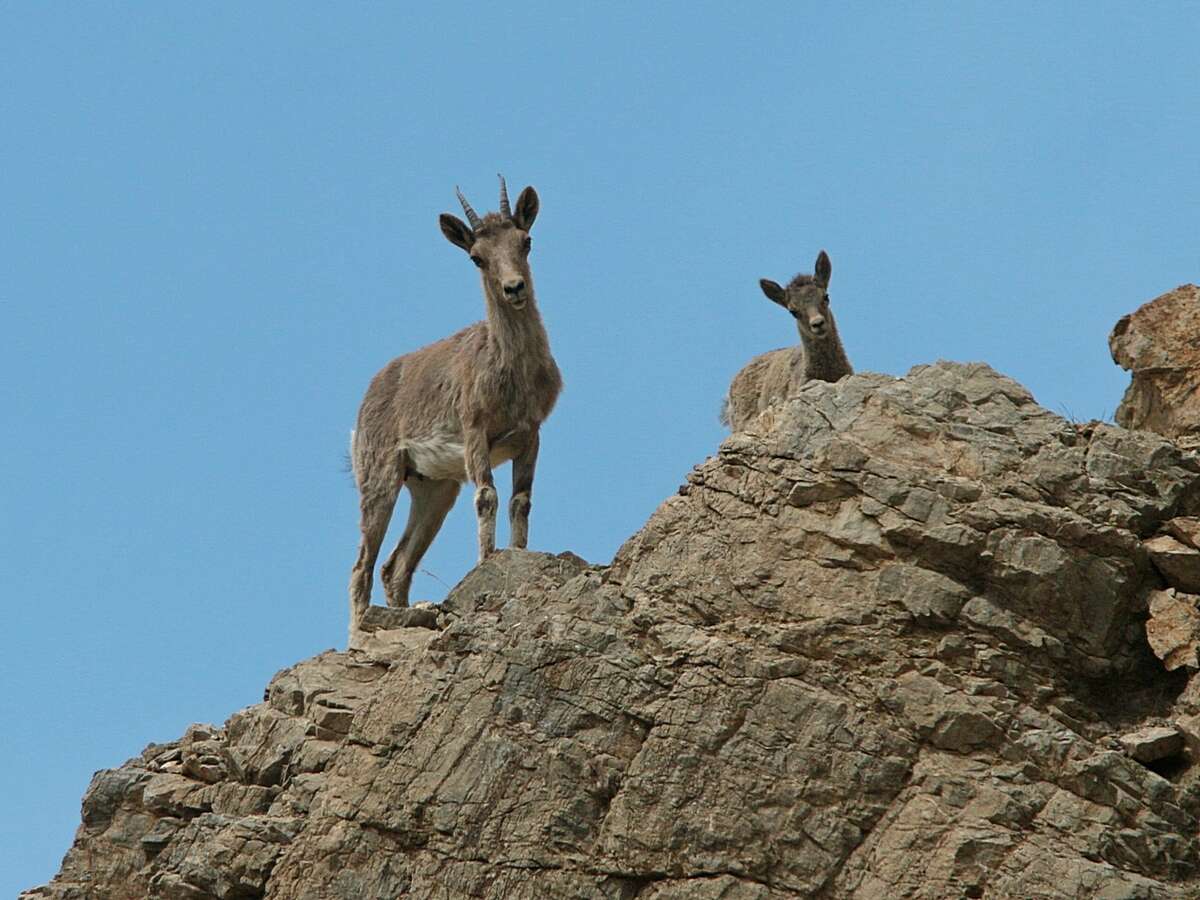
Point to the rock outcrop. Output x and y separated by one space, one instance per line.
1160 344
886 644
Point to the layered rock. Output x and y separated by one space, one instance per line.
886 644
1160 344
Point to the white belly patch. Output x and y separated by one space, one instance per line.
441 458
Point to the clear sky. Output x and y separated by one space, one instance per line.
218 221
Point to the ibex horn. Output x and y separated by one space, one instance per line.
504 207
472 216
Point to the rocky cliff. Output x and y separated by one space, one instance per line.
890 642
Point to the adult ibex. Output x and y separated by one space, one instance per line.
453 410
772 377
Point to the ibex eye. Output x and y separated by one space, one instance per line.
478 260
527 243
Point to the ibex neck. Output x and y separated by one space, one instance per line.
513 334
825 359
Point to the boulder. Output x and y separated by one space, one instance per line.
1173 629
1152 744
1178 563
1160 345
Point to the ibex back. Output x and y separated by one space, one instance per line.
453 410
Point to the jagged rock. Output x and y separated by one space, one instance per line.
1173 629
203 760
1186 529
1152 744
1160 344
878 647
160 835
1179 563
200 731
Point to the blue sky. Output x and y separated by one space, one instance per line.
218 221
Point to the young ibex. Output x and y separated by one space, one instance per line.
455 409
771 377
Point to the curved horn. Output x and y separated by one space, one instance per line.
472 216
505 210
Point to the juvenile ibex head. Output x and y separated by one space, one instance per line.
498 243
807 298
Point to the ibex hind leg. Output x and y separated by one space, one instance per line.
431 501
378 492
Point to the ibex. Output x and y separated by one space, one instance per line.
454 410
771 377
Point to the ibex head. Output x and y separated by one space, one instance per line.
498 243
807 298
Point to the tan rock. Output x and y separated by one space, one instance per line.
1173 629
1186 529
1160 345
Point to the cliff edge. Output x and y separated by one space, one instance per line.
890 642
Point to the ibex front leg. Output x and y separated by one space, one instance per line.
479 470
522 499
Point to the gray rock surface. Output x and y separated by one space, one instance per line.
885 647
1160 344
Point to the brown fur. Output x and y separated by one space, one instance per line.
774 376
451 411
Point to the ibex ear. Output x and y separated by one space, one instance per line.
823 269
773 291
456 231
527 209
